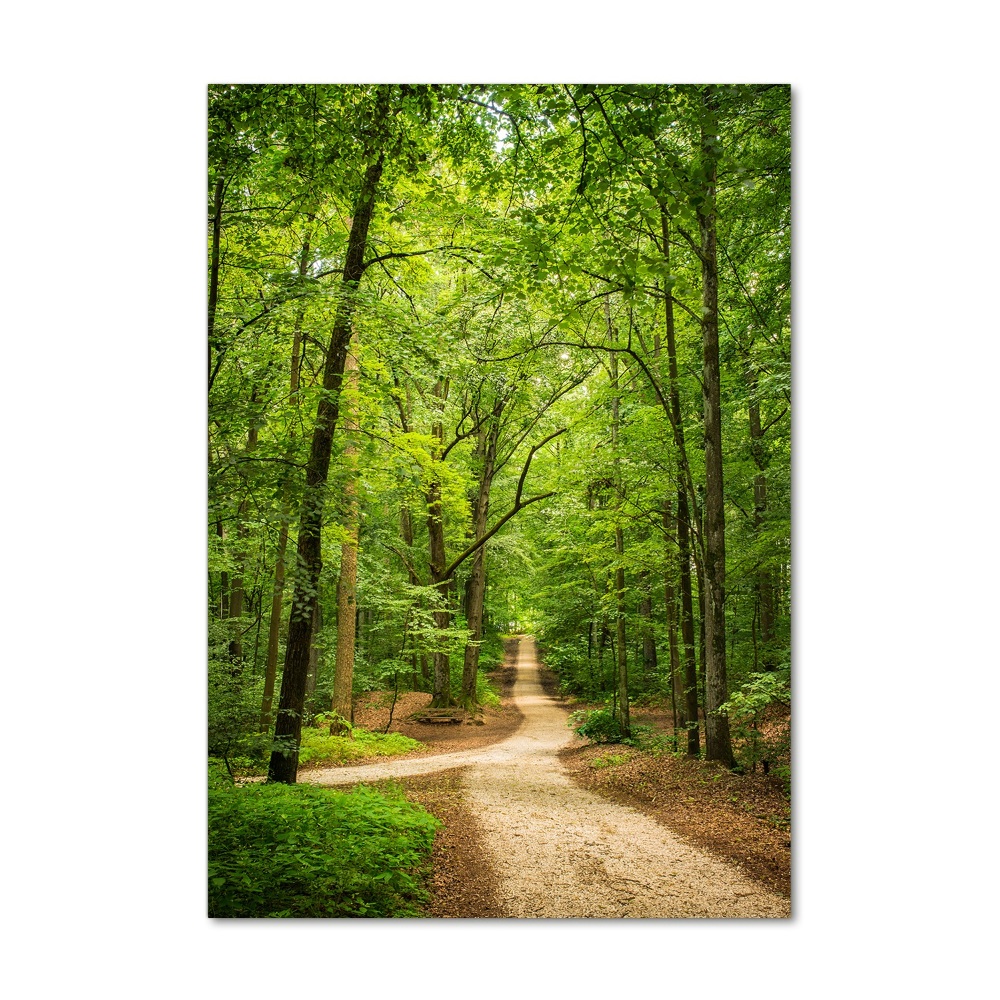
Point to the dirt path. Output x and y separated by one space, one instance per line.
562 851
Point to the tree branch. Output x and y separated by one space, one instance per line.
480 542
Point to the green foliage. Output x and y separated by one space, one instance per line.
598 726
219 775
601 726
233 707
319 747
563 194
578 674
486 694
612 760
759 721
490 652
298 851
646 739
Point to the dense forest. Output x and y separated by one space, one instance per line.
494 360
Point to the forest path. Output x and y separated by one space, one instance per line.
562 851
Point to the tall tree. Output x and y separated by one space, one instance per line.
718 745
288 725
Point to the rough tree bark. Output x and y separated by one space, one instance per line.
438 561
717 741
646 618
317 624
347 584
236 592
213 276
677 697
683 522
288 725
765 581
622 672
475 589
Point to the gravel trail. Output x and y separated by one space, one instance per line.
562 851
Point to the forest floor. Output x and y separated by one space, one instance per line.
533 828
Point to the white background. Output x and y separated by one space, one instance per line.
895 534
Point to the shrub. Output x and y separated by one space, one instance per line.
234 732
300 851
601 726
598 726
319 747
757 719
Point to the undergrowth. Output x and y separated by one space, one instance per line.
601 726
301 851
486 693
612 760
319 747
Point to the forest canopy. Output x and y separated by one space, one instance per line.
497 359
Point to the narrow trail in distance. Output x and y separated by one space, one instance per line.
562 851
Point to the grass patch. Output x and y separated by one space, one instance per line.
300 851
612 760
319 747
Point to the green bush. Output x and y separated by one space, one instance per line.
318 746
234 732
760 728
601 726
598 726
300 851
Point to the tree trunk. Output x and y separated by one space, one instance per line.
347 605
764 583
317 624
717 742
277 593
236 594
623 716
213 276
622 674
406 524
288 726
476 586
438 563
677 697
220 530
646 616
690 702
